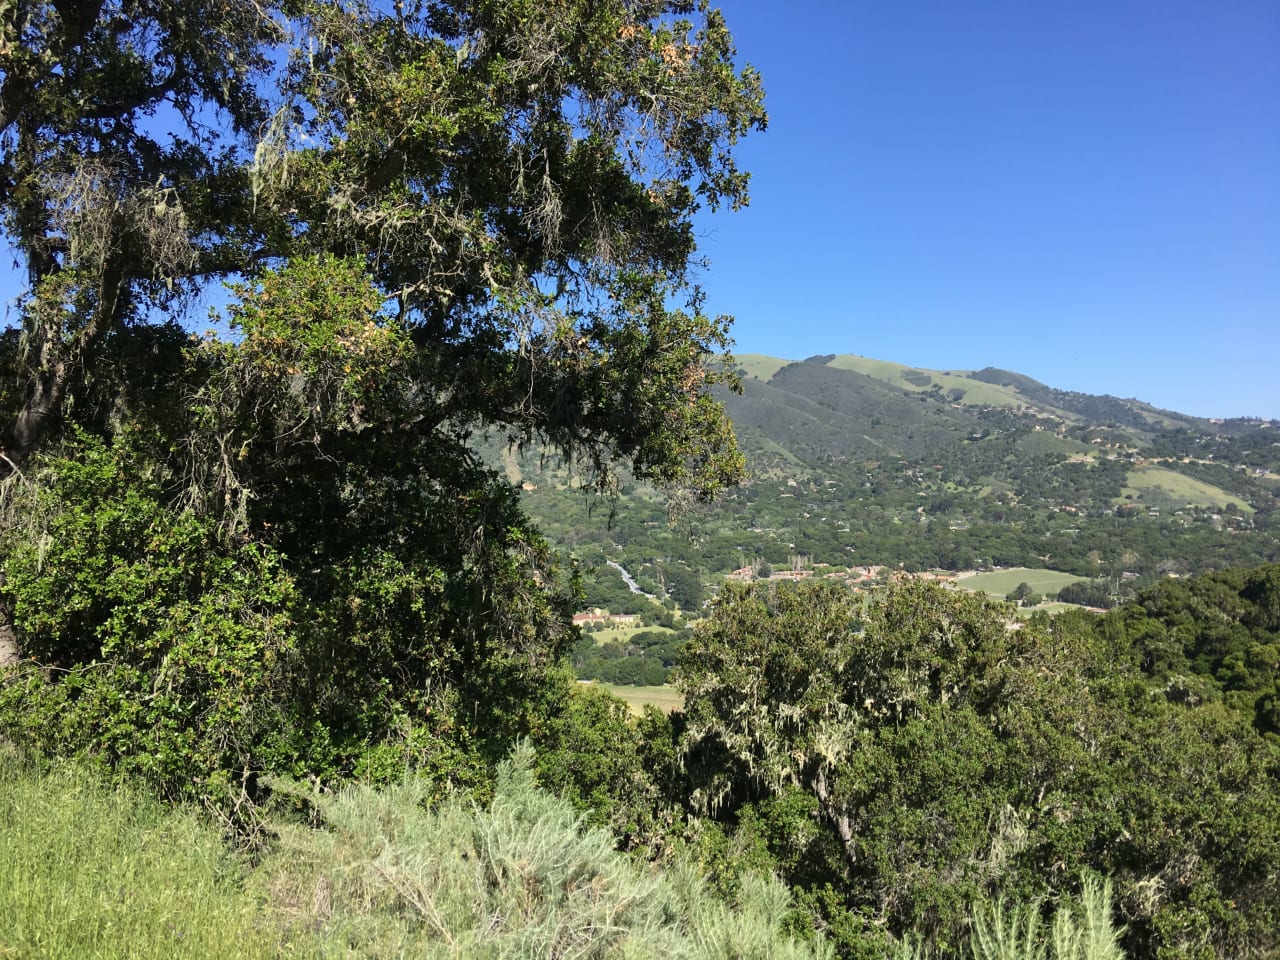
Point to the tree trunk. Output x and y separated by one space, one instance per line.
56 361
10 648
836 816
30 426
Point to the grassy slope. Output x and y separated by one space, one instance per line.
90 871
1045 441
975 392
766 446
759 366
1159 484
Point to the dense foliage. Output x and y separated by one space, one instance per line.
901 759
1212 637
276 549
645 658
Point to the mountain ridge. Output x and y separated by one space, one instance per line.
988 386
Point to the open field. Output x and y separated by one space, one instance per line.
664 698
1158 485
622 634
1046 441
1000 582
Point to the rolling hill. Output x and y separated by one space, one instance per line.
861 462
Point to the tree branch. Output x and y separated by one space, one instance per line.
18 88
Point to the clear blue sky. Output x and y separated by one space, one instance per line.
1085 192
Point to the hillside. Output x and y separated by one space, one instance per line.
861 462
993 387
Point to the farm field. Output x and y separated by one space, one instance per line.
664 698
1158 485
999 582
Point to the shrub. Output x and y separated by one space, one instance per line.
521 878
169 652
1001 930
198 656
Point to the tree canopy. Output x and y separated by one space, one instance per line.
899 756
436 219
517 181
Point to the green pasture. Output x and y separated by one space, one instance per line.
975 392
1158 486
998 583
622 634
664 698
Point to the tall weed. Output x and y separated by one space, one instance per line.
1003 931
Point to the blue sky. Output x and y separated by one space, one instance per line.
1088 193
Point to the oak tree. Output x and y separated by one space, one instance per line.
437 219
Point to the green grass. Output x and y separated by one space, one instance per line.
759 366
1046 441
975 392
664 698
622 634
92 871
1158 486
1000 582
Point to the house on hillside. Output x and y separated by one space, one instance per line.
604 616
